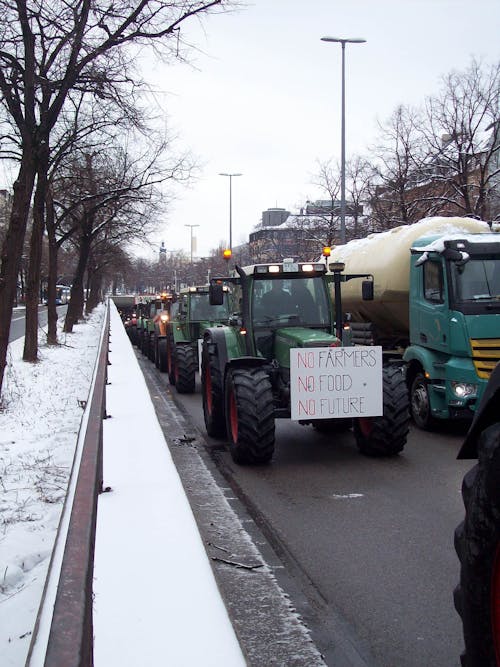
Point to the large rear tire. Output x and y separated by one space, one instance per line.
249 415
185 368
212 391
477 543
386 435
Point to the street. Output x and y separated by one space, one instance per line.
368 542
17 325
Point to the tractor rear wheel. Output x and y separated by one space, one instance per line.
212 391
386 435
477 543
185 368
249 415
162 355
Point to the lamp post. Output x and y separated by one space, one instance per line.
230 207
191 228
343 41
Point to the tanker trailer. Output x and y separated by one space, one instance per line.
434 308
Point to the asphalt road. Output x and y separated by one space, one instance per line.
17 325
368 542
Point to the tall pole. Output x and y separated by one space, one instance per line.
230 207
343 41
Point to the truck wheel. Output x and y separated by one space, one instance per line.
185 369
386 435
162 355
212 392
249 415
477 543
419 403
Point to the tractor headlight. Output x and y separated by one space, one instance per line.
463 389
164 318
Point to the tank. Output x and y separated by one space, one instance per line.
386 256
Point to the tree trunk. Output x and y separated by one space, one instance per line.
33 284
94 296
52 277
75 307
12 249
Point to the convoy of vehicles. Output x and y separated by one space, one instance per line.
427 295
191 315
436 307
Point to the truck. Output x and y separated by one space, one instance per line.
284 311
191 314
435 306
477 537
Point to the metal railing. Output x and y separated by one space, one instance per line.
63 633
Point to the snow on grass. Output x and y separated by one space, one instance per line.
41 408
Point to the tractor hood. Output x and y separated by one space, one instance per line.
287 338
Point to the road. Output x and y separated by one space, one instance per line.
17 325
368 542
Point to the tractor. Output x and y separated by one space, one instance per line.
477 538
190 316
246 369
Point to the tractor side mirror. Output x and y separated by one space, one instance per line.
367 290
216 294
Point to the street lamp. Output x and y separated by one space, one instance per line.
230 207
191 227
343 41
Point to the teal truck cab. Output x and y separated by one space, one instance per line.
435 306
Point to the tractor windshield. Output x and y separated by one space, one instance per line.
200 308
299 301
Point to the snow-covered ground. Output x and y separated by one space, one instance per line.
40 415
155 594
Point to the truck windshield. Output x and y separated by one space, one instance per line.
477 280
200 308
291 302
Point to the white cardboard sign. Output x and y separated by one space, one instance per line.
336 382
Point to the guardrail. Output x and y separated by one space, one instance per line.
63 633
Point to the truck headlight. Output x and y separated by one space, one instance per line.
463 389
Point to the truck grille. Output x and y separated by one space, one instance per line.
485 355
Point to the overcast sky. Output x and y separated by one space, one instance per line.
264 99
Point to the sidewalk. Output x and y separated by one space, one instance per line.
160 598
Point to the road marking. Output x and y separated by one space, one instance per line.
343 496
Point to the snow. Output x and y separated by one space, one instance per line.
153 582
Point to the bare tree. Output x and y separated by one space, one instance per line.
462 134
47 50
397 170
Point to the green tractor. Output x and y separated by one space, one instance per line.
246 373
191 314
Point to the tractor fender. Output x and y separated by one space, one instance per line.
485 415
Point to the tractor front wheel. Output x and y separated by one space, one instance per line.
386 435
212 391
185 368
171 360
477 543
162 355
249 415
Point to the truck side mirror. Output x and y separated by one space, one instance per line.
216 294
367 290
